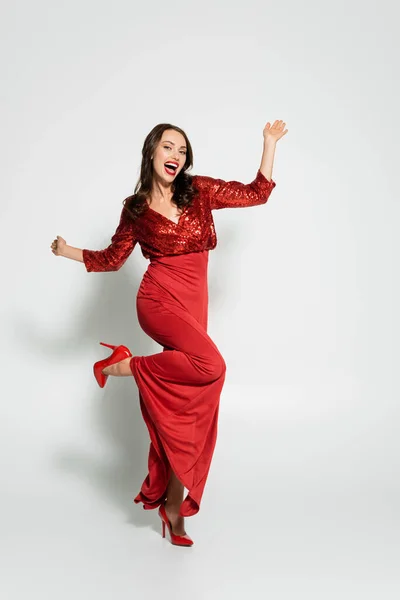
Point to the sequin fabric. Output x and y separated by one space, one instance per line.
159 236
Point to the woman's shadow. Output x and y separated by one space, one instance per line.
108 315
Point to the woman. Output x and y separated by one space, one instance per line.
170 216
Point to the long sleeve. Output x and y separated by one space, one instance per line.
233 194
115 255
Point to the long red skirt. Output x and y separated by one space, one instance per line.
180 387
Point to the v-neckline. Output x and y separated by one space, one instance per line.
164 217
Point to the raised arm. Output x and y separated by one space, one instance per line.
114 256
233 194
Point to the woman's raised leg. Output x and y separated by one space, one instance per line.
180 390
120 369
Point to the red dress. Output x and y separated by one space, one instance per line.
180 387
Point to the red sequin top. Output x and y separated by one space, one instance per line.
160 236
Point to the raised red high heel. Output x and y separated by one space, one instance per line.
120 352
177 540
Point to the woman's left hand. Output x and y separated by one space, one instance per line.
274 132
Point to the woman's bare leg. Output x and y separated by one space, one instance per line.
173 503
120 369
175 488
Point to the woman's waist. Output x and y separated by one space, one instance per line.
188 260
184 273
186 268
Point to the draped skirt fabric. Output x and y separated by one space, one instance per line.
179 387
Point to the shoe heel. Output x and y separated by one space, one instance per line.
108 345
163 529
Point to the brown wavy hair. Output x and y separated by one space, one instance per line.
183 191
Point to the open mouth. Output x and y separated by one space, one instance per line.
170 168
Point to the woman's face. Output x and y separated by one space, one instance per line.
170 152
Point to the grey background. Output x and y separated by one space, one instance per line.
303 494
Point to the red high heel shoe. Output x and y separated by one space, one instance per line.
177 540
120 352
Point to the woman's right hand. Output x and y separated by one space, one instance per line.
58 246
